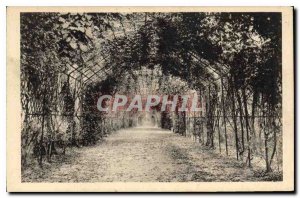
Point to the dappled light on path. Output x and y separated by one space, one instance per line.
144 154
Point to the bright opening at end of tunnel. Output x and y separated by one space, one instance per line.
147 120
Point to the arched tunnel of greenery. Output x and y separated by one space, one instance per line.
231 60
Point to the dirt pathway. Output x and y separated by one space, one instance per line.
147 155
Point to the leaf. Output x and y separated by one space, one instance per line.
89 32
73 44
83 47
81 29
66 25
61 19
68 39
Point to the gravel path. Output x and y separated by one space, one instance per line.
143 154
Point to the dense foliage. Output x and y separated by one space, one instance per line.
232 60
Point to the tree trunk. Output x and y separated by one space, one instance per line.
219 132
247 125
42 148
241 120
234 118
224 116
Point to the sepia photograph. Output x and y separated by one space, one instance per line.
190 99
